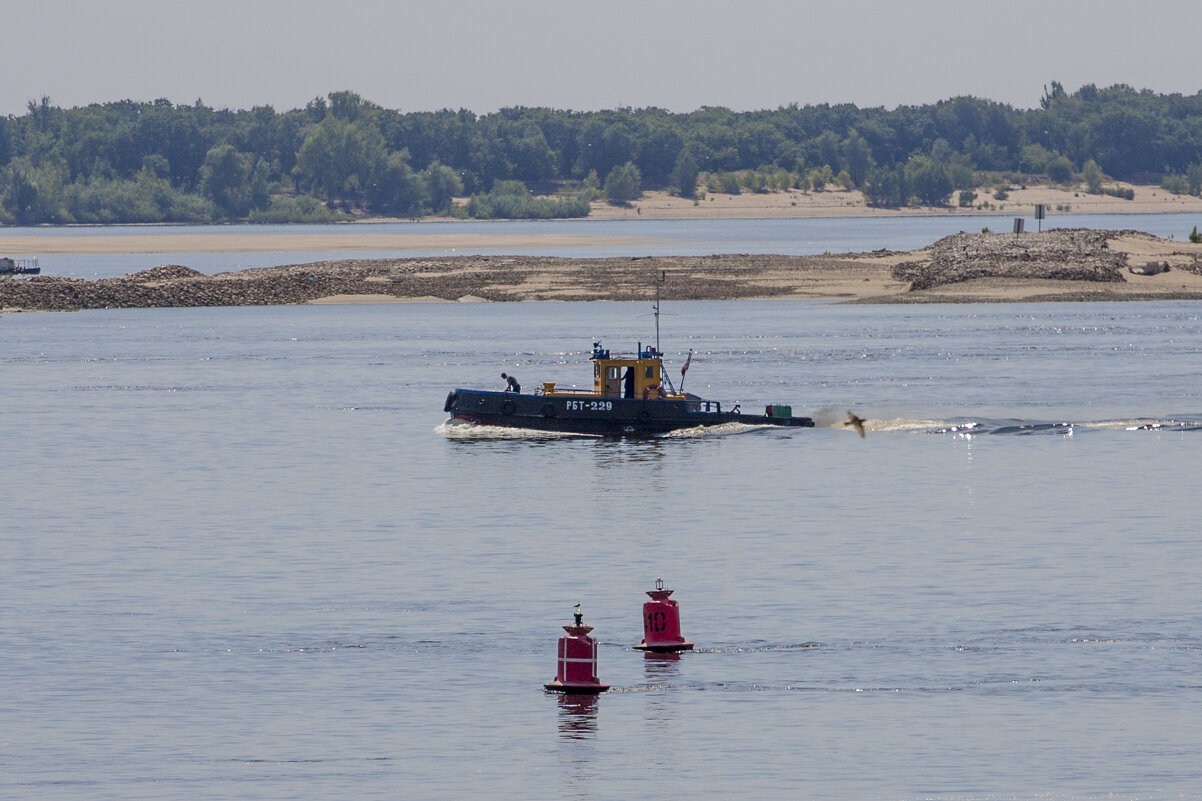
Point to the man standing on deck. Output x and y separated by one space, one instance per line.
511 383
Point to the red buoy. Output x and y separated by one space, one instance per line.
661 623
577 670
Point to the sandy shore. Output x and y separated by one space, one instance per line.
1062 206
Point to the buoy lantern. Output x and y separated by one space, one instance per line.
577 670
661 623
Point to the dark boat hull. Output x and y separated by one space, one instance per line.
611 417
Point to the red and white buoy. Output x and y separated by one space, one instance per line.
661 623
577 670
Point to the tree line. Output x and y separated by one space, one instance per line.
343 156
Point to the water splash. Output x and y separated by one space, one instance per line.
464 430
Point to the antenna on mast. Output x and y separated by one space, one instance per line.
659 281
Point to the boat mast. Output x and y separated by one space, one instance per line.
659 280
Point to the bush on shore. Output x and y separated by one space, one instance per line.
303 209
511 200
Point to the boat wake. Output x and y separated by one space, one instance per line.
959 427
467 431
463 430
1064 428
723 430
963 427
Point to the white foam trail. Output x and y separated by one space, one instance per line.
455 429
723 430
464 430
1140 424
459 429
904 425
837 419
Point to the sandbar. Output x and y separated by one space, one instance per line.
1057 265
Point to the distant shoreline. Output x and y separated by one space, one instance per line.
1059 203
1062 265
1061 206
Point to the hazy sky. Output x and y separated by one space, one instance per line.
416 55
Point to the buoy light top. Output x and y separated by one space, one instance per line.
659 593
578 629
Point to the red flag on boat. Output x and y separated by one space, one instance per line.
685 369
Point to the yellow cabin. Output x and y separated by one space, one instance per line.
618 377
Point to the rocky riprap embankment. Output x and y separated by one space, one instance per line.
493 278
1061 255
1057 265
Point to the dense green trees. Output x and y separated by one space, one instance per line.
512 200
928 180
623 184
1093 176
340 160
886 186
234 182
684 174
442 185
397 190
1194 176
343 155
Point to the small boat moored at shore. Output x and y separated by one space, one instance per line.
631 396
9 267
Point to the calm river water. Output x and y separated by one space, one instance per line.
244 558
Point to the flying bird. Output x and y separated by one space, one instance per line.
856 422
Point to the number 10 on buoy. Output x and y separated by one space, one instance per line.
661 623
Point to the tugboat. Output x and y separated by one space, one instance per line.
631 397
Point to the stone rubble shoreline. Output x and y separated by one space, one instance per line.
1061 264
